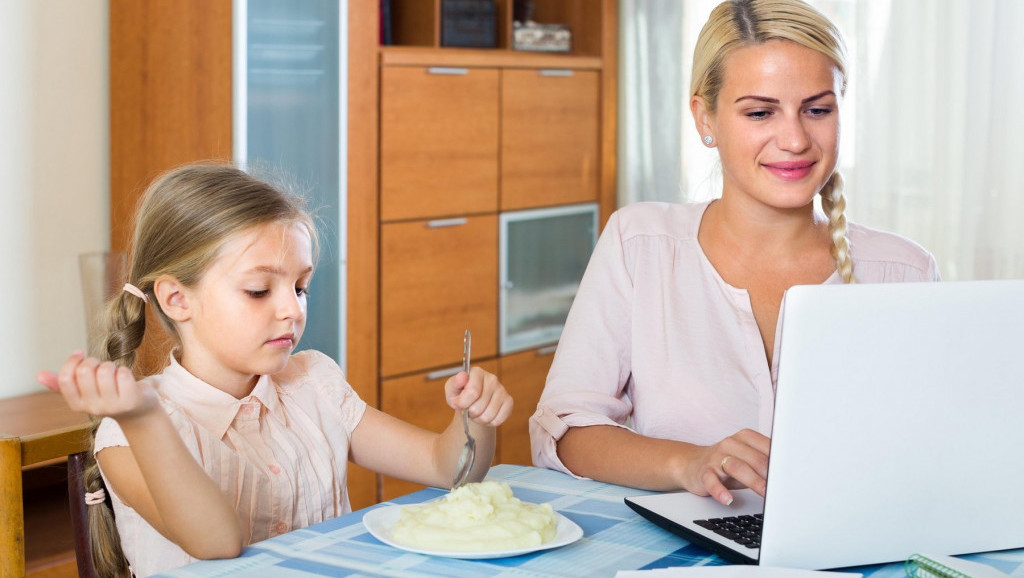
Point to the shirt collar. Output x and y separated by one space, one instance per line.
212 408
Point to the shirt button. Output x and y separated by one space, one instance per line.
280 528
274 469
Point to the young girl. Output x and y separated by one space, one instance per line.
237 440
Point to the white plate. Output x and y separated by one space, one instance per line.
379 522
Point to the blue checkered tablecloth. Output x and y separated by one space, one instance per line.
614 538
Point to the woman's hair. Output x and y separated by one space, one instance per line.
183 219
738 23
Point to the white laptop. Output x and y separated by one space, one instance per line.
898 428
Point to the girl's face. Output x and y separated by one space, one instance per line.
249 310
776 124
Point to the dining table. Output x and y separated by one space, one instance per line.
614 539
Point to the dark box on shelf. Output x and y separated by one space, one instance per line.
469 23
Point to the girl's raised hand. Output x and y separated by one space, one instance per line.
100 388
482 394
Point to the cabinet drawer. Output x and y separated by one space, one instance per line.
439 142
550 138
438 278
419 400
523 374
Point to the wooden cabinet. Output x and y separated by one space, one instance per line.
458 136
550 138
439 141
439 278
419 400
523 374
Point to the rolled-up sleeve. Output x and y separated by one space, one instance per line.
587 382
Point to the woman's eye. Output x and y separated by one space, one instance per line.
819 111
257 293
759 114
302 291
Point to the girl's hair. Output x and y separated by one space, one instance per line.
183 219
738 23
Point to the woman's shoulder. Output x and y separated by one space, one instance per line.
676 220
891 250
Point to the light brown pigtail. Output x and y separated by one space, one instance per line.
126 326
833 202
104 542
126 320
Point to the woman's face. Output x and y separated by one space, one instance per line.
776 126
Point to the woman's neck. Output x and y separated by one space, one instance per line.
754 229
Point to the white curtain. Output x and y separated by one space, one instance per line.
930 135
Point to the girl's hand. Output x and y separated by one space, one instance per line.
100 388
481 394
740 460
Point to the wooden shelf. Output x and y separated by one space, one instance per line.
483 57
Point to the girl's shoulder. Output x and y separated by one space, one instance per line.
308 366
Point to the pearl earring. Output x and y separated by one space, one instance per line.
708 140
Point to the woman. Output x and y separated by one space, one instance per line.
664 376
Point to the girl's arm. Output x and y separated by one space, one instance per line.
620 456
156 475
390 446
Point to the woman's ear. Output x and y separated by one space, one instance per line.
171 298
701 118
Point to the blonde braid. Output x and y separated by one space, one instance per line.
833 202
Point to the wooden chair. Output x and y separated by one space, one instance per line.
80 514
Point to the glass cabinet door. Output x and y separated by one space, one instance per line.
543 253
289 102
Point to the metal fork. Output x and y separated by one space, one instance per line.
468 454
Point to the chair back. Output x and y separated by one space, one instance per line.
80 514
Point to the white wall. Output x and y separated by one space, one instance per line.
54 177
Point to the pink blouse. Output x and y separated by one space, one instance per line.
280 454
657 342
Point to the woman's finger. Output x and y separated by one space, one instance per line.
743 473
714 486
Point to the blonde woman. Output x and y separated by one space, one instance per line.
664 375
239 438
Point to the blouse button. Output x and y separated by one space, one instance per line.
274 469
281 528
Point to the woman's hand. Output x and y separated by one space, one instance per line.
740 460
100 388
481 394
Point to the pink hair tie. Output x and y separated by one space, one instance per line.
94 498
136 292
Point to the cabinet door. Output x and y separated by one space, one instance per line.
550 138
523 374
438 278
439 142
419 400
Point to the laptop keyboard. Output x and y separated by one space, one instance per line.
744 530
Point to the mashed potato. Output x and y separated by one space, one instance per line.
478 517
